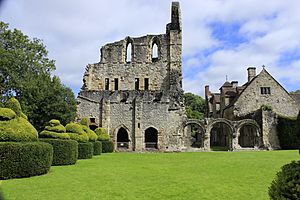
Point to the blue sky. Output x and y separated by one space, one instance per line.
220 37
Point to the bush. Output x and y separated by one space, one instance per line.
85 122
85 150
24 159
107 146
14 104
287 183
7 114
17 129
76 132
50 134
54 130
65 152
97 147
102 134
91 134
288 132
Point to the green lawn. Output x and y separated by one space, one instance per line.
203 175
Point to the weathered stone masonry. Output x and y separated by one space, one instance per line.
135 91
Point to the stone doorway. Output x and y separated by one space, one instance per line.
151 138
221 137
122 139
248 136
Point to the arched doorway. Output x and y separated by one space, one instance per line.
221 136
248 136
196 133
122 139
151 138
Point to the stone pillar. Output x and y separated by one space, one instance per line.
206 142
138 135
269 130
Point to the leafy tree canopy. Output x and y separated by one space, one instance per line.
195 106
25 72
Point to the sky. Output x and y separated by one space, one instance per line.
221 38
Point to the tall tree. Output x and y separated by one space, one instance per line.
195 106
25 72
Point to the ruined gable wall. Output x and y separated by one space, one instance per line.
251 98
113 65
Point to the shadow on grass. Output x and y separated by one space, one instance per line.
219 148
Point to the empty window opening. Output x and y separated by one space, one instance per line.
92 120
265 90
137 83
154 52
128 52
146 83
106 83
116 83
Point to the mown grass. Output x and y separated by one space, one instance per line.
204 175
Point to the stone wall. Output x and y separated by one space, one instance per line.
279 99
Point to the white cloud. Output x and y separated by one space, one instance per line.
74 31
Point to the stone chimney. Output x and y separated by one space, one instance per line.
207 92
251 73
234 84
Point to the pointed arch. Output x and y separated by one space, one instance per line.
151 138
129 50
155 49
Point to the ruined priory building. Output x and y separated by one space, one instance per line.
135 91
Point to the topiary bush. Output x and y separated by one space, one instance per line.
76 132
65 152
54 130
102 134
97 147
85 150
287 183
91 134
14 104
107 146
26 159
14 128
85 122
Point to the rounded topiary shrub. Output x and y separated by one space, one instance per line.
26 159
102 134
85 150
65 152
76 132
54 130
14 128
97 145
107 146
287 183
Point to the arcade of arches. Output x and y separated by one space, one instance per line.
223 134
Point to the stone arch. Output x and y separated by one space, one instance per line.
122 129
248 133
221 133
129 50
151 138
155 49
194 129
